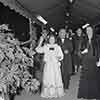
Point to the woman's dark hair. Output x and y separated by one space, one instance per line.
51 35
79 28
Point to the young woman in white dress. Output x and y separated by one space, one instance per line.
52 80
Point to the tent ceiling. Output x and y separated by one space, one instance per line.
54 10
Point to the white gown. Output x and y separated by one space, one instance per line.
1 98
52 79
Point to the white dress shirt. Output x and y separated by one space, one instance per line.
62 40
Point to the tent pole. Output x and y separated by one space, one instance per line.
30 27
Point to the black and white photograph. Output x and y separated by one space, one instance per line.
49 49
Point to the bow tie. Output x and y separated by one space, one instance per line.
51 48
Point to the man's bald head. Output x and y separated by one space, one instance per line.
62 33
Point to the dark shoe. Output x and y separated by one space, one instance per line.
73 74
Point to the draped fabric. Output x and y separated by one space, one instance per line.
19 8
88 87
15 6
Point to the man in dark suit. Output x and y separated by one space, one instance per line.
67 48
71 37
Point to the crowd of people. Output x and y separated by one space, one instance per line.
66 53
63 55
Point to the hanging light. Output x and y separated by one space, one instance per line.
71 1
56 33
40 18
86 25
52 29
67 14
33 22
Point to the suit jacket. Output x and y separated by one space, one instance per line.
67 61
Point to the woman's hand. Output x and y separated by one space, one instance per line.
85 51
58 58
40 41
98 63
41 38
66 52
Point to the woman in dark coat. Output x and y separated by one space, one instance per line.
77 46
88 86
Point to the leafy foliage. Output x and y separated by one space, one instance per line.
14 63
